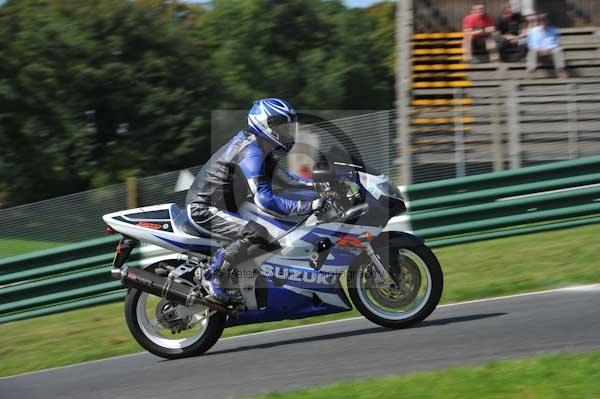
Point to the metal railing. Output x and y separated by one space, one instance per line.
77 217
488 144
448 212
505 125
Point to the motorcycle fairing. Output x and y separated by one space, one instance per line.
162 225
294 290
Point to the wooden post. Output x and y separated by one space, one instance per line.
572 116
132 194
404 30
497 133
459 134
514 135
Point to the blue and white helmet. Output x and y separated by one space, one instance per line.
274 120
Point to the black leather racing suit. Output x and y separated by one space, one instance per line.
239 170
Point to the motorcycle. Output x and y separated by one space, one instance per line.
349 249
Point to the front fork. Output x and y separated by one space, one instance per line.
382 276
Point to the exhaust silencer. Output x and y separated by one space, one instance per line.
157 285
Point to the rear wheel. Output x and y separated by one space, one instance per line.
415 295
169 330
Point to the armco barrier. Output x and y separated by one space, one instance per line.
57 260
448 212
480 188
66 285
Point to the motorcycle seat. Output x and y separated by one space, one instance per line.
188 228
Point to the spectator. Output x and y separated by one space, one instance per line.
543 42
512 40
479 28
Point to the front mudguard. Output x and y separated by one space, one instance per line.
389 239
397 239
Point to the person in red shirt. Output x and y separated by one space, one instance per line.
478 29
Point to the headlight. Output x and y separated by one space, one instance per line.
353 193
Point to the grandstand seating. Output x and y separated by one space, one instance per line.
485 101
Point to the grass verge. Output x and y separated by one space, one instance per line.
477 270
547 377
13 246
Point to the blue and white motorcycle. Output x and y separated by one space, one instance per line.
348 250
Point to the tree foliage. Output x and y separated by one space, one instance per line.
92 92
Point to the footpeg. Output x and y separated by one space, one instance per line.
319 255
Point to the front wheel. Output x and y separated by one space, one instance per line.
170 330
414 296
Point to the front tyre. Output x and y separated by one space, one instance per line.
169 330
418 292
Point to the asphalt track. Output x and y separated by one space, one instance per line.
462 334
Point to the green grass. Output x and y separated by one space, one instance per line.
14 246
477 270
520 264
547 377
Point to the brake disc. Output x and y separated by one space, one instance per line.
168 317
409 283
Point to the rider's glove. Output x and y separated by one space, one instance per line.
320 204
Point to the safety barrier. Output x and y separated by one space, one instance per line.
65 278
447 212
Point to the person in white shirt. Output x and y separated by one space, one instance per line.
544 41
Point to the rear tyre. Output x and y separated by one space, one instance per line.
416 296
159 340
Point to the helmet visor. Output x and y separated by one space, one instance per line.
283 129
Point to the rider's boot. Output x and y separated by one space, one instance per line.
213 278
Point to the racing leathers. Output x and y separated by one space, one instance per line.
240 170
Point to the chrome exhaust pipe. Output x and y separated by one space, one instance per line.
117 274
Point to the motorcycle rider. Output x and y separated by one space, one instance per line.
245 167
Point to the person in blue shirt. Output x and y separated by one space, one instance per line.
242 170
543 42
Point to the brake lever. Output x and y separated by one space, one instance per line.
319 212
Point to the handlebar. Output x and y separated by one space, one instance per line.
341 214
